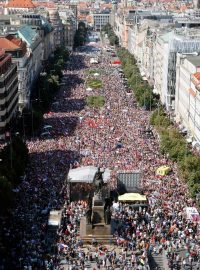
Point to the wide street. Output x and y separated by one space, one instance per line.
76 129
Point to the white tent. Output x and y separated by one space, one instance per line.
89 89
94 61
195 144
86 174
55 218
192 213
132 197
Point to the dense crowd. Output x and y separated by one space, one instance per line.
110 137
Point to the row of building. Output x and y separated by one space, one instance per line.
166 46
29 36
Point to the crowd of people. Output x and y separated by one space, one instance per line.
113 137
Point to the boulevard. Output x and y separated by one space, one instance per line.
76 128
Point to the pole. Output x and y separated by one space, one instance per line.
32 120
150 102
11 161
23 126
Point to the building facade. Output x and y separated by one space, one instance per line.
56 22
8 91
187 100
19 7
34 54
100 19
17 48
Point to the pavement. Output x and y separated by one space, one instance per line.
93 264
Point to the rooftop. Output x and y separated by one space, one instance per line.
20 4
195 60
197 75
28 34
7 44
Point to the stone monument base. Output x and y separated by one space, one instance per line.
100 231
97 214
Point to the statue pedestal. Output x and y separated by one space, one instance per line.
97 214
98 229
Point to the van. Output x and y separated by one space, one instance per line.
45 134
47 127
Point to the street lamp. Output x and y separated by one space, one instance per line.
31 102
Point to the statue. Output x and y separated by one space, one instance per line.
88 216
98 181
89 200
107 216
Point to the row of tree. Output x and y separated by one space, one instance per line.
175 146
43 94
113 39
13 161
142 90
80 35
14 156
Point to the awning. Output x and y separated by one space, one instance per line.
89 89
86 174
55 218
192 213
189 140
132 197
184 130
163 170
195 144
116 62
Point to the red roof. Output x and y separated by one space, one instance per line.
45 4
20 4
11 43
7 44
197 75
116 62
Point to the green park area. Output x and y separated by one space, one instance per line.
94 83
93 71
95 101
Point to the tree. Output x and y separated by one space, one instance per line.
14 158
142 91
80 35
194 190
53 81
189 165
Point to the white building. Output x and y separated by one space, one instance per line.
35 54
19 7
167 47
56 22
187 99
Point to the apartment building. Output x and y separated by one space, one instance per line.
100 19
187 99
56 22
8 91
17 48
